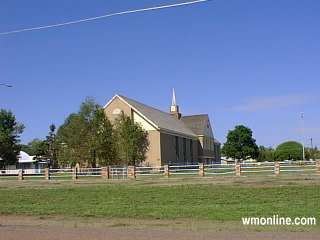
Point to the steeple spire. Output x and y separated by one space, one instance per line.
174 102
174 110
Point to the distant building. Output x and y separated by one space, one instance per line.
226 160
25 161
174 139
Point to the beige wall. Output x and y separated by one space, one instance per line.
153 156
154 153
144 123
114 105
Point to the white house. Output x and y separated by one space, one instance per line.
25 161
30 164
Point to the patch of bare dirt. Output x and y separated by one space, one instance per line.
33 228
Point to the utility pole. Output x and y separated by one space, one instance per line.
303 150
312 150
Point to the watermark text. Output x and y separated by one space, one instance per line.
276 220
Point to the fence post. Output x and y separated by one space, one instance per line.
201 169
318 166
105 172
166 169
75 172
277 168
47 174
238 169
20 175
132 172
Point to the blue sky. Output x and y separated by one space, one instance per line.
255 63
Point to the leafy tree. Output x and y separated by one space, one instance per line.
36 147
86 137
289 151
102 139
312 153
43 148
73 141
51 151
26 148
265 154
10 131
316 153
132 141
240 144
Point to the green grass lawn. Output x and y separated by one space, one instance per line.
203 202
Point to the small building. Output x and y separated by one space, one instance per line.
226 161
25 161
30 164
174 139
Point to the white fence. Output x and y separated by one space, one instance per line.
220 169
26 171
121 173
118 172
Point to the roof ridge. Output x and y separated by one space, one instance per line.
197 115
164 120
145 104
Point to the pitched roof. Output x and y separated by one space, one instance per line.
25 158
198 124
165 121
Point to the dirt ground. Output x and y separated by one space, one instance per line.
35 228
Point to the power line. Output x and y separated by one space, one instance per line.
103 16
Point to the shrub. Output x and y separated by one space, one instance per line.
289 151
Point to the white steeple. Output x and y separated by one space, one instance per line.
174 102
174 110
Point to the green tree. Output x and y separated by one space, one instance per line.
86 137
316 153
240 144
265 154
72 138
289 151
312 153
10 131
51 144
36 147
131 141
102 142
45 149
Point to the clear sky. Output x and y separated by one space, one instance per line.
247 62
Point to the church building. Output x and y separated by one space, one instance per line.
174 139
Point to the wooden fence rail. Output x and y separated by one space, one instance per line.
200 170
